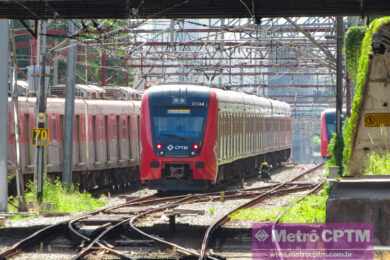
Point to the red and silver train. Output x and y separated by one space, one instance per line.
105 140
193 137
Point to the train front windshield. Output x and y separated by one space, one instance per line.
179 127
178 130
331 124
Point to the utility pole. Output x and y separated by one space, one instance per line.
40 134
69 107
339 94
4 57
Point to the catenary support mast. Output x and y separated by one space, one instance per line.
69 108
4 57
41 120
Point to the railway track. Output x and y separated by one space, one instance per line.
90 233
276 190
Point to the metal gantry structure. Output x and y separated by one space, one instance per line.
264 56
291 59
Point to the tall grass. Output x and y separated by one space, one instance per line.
61 200
378 164
310 210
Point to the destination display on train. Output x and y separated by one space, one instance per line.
377 120
184 111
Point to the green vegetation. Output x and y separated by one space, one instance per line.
332 151
212 211
358 66
311 209
316 140
57 200
352 48
378 164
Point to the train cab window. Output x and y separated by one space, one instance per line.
179 123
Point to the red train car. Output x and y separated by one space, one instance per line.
105 140
193 137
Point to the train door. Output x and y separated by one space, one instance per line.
54 158
119 131
236 146
242 129
130 156
107 139
94 139
230 136
77 141
138 138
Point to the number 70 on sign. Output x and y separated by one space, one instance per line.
40 136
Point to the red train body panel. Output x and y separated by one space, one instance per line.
237 129
324 137
105 137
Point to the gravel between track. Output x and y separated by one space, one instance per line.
212 210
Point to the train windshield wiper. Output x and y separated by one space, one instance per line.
176 136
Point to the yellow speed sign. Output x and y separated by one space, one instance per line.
40 136
377 120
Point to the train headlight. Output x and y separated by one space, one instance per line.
159 146
195 147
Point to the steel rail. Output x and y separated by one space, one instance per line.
62 227
88 249
224 219
46 232
280 215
